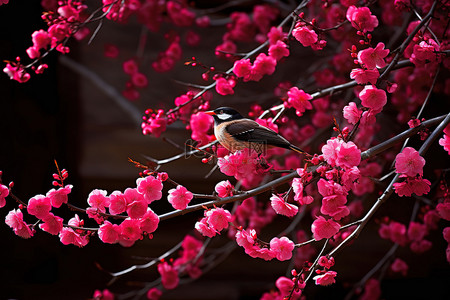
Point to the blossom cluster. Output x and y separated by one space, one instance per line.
243 165
63 23
409 164
139 220
279 248
188 261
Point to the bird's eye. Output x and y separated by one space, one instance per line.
221 112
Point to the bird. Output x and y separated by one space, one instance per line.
234 132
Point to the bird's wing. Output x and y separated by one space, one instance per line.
249 131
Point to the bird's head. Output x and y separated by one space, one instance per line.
224 114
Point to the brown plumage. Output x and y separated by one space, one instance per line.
235 132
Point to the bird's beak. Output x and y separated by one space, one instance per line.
211 113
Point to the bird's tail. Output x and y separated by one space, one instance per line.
297 149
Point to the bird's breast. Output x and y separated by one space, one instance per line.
227 140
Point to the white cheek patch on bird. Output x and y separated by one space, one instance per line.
223 116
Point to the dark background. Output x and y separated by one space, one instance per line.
61 116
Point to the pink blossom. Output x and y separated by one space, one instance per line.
304 35
39 206
409 162
240 164
103 295
444 210
297 187
76 221
130 230
263 253
241 27
348 155
329 187
180 15
179 197
324 229
278 50
225 86
149 222
154 294
267 123
191 246
419 186
282 248
372 290
446 234
362 76
193 38
218 218
131 93
333 204
350 177
156 124
431 219
200 124
118 203
420 246
150 187
447 253
325 279
203 227
424 52
67 11
275 34
263 65
399 266
403 188
136 204
4 192
130 66
109 233
16 72
41 39
416 231
33 52
394 231
69 236
352 113
224 189
245 239
445 143
281 207
361 18
245 210
14 219
139 80
111 51
263 16
58 197
243 68
330 150
169 275
372 97
326 262
373 57
224 49
52 224
284 285
97 199
299 100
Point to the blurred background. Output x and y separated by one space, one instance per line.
64 116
